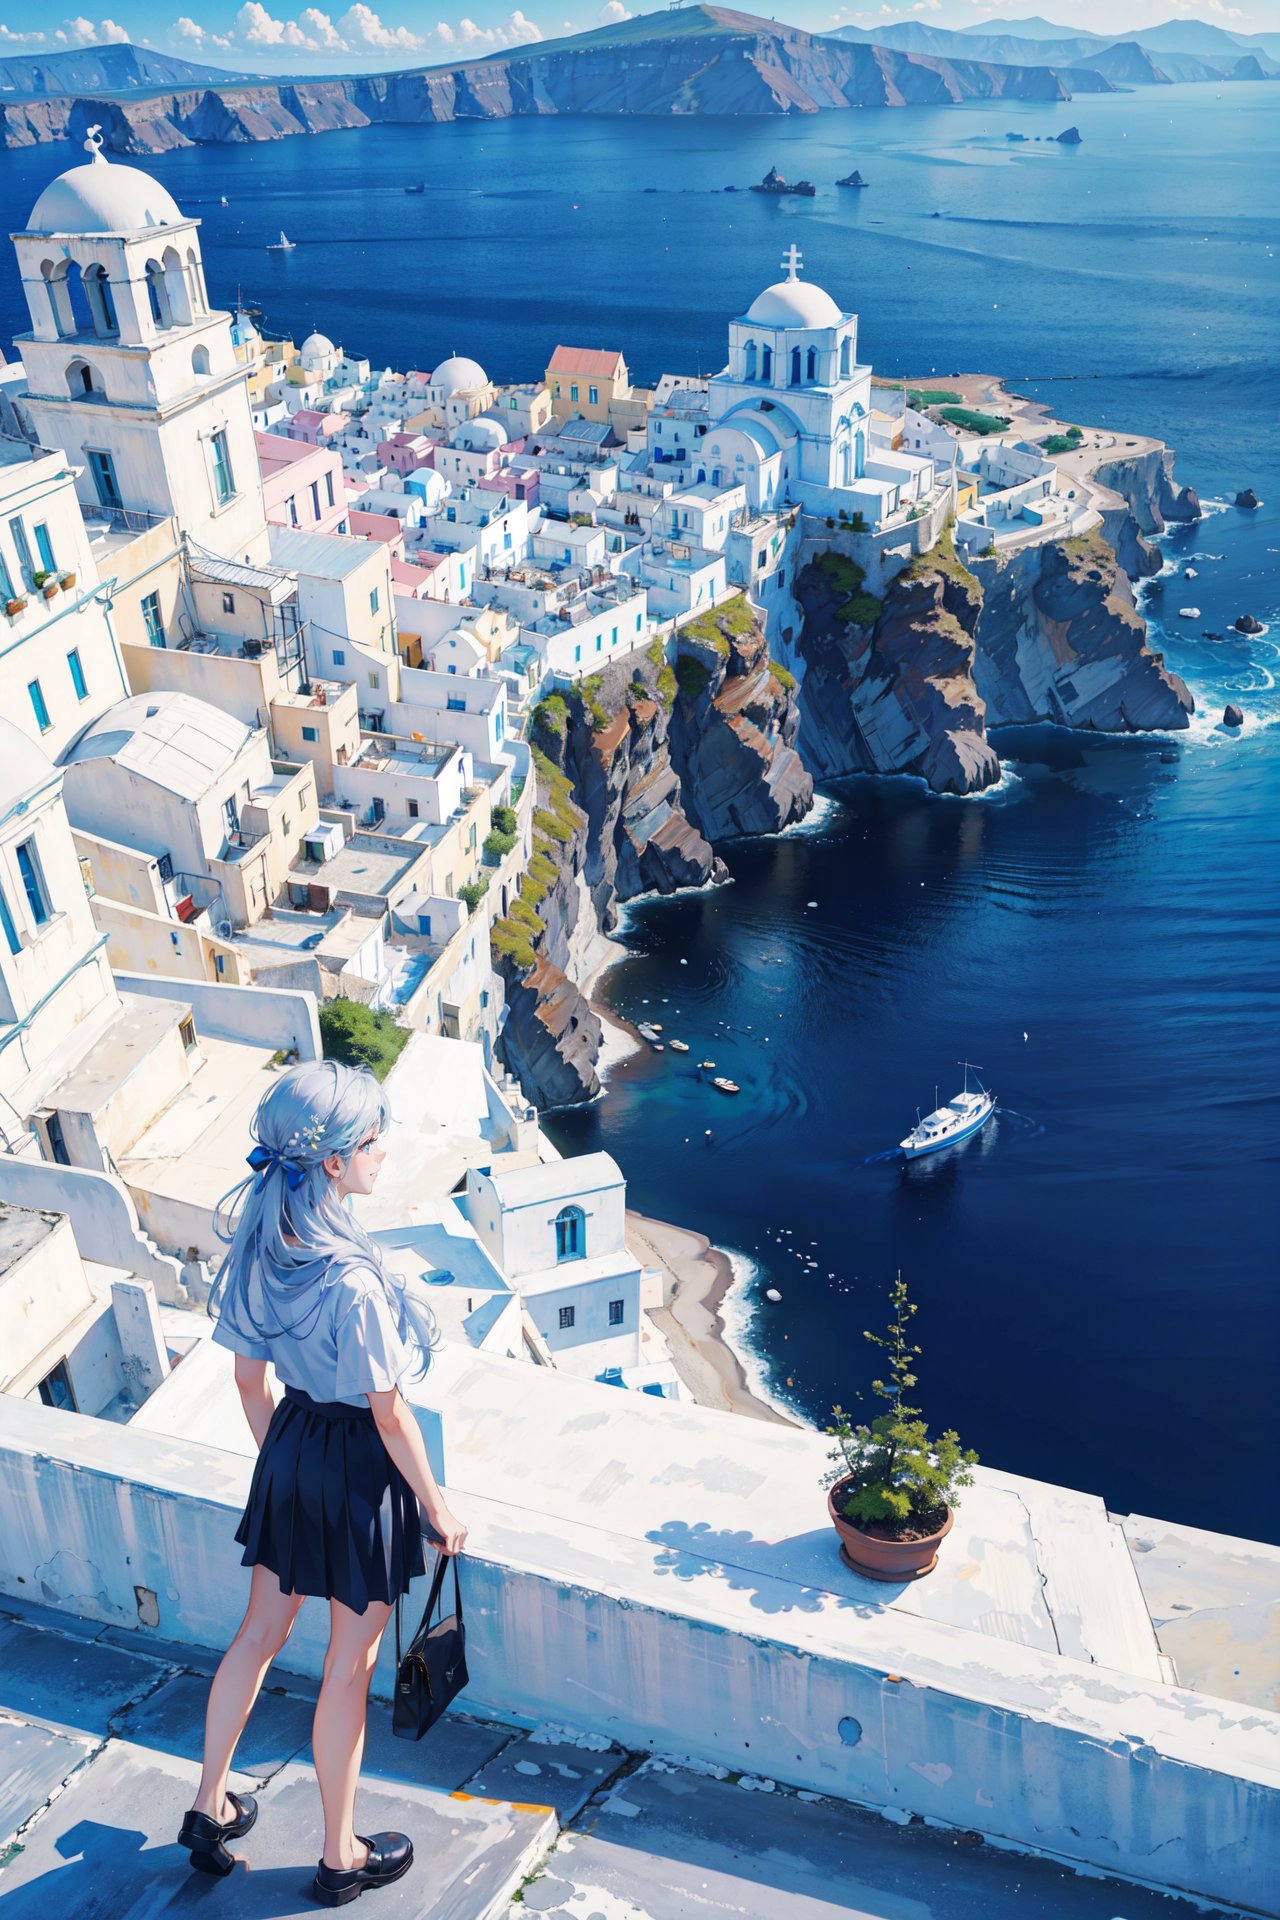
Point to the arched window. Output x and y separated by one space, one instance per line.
53 273
571 1234
749 361
102 306
195 280
69 299
811 365
795 366
176 287
82 379
158 295
846 358
200 362
766 365
846 464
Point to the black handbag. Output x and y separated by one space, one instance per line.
432 1670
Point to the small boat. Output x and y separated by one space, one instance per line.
224 202
774 182
420 188
1188 613
706 1066
853 179
726 1086
656 1025
679 1046
283 245
649 1033
962 1117
1189 573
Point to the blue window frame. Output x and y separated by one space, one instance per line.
22 548
44 547
567 1316
6 581
454 705
373 601
7 926
311 733
151 619
616 1308
33 882
339 657
77 674
103 469
38 706
224 484
571 1234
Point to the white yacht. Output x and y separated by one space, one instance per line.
966 1114
283 245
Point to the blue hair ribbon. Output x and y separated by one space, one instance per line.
264 1160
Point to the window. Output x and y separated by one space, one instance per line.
339 657
375 681
292 505
6 581
224 485
219 963
7 926
328 488
22 548
373 601
599 642
315 499
577 654
55 1389
187 1032
228 603
33 882
566 1318
77 674
571 1234
613 637
454 705
151 620
311 733
164 867
231 813
39 708
615 1313
593 396
103 469
413 809
573 393
44 547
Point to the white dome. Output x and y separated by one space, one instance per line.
478 436
103 198
794 303
457 374
316 344
24 768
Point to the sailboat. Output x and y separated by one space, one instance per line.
283 245
961 1117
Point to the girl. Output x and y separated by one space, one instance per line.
333 1508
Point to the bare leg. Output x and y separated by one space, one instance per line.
263 1631
337 1740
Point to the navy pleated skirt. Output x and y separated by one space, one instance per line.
329 1511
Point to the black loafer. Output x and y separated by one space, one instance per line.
205 1838
390 1858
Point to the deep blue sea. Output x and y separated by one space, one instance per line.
1097 1274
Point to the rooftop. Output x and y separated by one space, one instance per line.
367 864
171 739
599 360
325 556
528 1186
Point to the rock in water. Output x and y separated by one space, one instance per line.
1248 624
1232 716
1247 498
1069 138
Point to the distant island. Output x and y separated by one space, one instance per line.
697 59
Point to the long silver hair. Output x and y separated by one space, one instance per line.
289 1236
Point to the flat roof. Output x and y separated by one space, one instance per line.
361 867
326 556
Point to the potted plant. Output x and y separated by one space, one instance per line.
16 606
50 589
68 581
891 1488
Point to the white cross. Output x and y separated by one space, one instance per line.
93 144
792 259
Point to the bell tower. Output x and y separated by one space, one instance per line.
128 369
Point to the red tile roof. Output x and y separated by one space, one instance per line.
598 360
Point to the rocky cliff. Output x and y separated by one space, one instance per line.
698 60
911 683
638 771
1148 497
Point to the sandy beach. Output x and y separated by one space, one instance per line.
697 1278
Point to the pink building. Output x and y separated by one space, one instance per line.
302 485
521 484
378 526
315 427
404 452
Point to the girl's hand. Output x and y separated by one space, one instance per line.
447 1533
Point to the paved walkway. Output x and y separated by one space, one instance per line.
98 1759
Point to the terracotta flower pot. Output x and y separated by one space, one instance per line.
878 1557
51 591
14 607
68 581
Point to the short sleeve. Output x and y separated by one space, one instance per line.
232 1331
372 1357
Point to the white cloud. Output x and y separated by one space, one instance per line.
521 32
614 10
113 34
364 28
927 6
77 33
258 29
184 28
8 38
516 31
321 29
1225 13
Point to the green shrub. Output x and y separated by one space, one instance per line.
497 846
666 686
359 1037
970 421
474 892
933 397
1065 442
553 826
846 576
787 681
503 819
551 716
655 653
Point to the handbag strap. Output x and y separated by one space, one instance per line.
443 1563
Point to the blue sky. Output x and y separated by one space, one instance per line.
274 39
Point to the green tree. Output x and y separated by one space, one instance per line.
894 1475
359 1037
